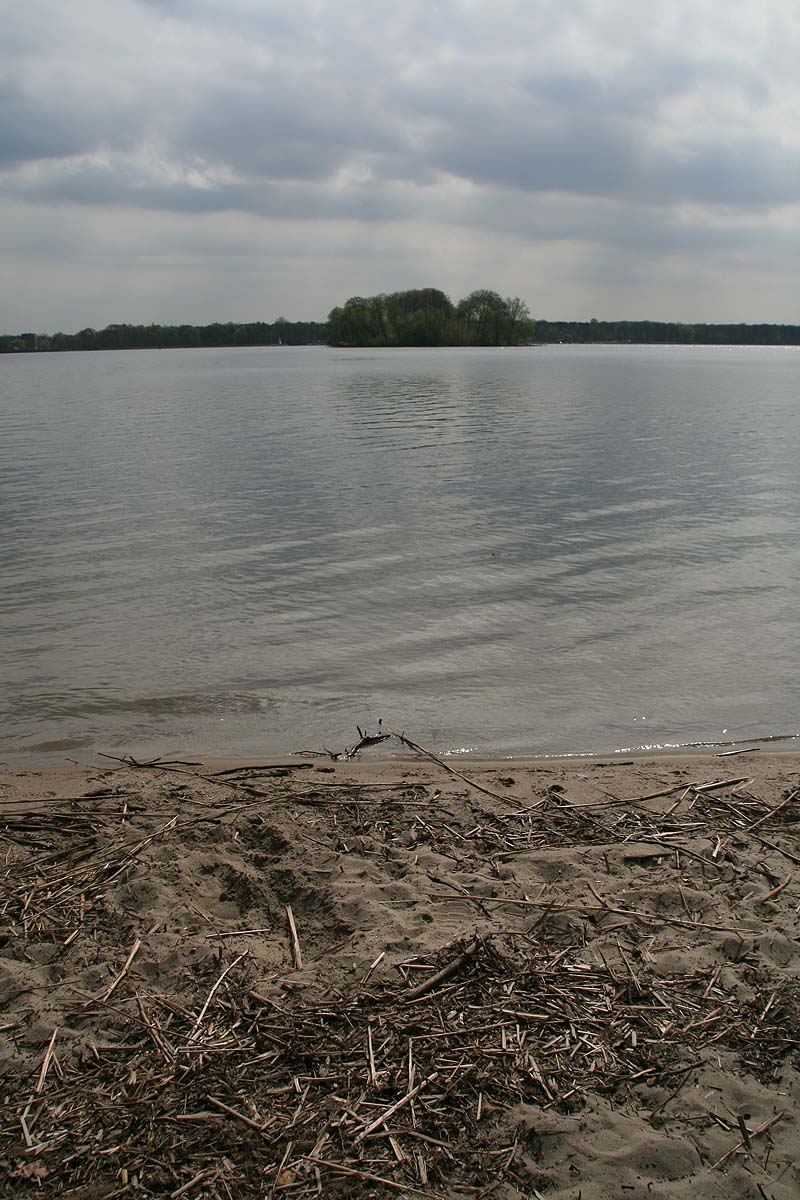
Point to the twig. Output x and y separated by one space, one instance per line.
211 995
46 1061
429 984
428 754
773 812
252 767
232 1112
366 739
786 853
776 891
384 1117
202 1176
107 994
298 957
753 1134
373 966
717 785
373 1075
370 1178
622 912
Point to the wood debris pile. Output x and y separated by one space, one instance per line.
435 1074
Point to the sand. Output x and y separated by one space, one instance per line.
370 978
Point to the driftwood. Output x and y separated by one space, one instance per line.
367 740
479 787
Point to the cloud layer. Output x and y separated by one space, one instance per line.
196 160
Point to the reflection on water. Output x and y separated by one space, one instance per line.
525 551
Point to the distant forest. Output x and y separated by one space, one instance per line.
422 317
166 337
672 332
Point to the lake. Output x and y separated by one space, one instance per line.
548 550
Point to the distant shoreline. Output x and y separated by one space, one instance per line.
314 333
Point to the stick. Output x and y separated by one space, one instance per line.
674 848
478 787
25 1131
46 1061
139 846
384 1117
276 766
792 857
202 1176
232 1112
373 1075
390 1183
770 895
748 1145
367 739
211 994
773 811
298 957
110 990
720 783
622 912
128 760
243 932
755 1133
678 787
373 966
429 984
279 1171
685 1073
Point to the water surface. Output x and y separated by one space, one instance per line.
549 550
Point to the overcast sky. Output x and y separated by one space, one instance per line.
198 160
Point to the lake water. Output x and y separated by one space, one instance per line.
537 551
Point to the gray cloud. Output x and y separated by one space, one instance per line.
584 128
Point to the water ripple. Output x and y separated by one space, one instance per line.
545 551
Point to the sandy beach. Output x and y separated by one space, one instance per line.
374 977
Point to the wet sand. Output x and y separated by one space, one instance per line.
365 978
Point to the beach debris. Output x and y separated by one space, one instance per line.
436 1054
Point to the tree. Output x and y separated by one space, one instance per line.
422 317
493 321
362 321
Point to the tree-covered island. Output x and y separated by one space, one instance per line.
427 317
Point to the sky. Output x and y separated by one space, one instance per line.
187 161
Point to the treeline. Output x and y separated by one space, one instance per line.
163 337
664 332
427 317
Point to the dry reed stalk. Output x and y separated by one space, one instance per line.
296 952
199 1020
